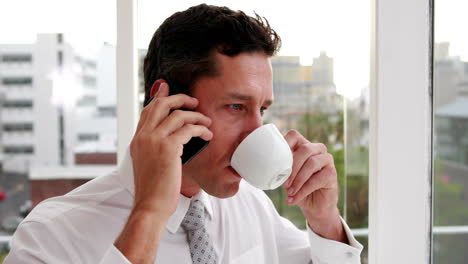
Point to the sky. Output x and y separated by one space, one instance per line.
307 27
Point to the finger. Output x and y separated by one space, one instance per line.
313 165
325 179
300 155
163 91
163 105
293 138
185 133
179 118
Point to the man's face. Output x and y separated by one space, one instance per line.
234 101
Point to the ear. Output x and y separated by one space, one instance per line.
155 87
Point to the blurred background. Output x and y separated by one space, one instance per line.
58 101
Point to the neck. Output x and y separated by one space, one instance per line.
189 187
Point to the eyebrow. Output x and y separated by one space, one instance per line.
244 97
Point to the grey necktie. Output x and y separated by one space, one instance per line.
201 246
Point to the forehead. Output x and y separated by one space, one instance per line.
248 74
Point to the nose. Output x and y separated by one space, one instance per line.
253 121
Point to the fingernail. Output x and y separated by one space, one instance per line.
290 199
290 191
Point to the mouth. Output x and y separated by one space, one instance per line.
234 172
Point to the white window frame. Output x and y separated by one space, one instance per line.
400 180
127 74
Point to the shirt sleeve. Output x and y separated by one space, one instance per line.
304 246
330 251
33 243
36 242
113 255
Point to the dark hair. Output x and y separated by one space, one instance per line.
182 48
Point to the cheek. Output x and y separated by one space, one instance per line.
225 133
225 137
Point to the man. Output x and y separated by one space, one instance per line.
153 209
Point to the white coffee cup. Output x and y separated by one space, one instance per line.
263 158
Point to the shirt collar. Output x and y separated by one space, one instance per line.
125 174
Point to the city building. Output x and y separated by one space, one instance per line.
451 141
450 75
57 115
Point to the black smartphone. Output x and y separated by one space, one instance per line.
196 144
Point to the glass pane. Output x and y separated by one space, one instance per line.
57 101
450 136
320 82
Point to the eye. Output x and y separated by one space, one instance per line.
236 107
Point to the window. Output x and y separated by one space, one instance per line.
315 92
18 150
16 58
17 81
18 104
88 100
88 137
89 81
72 71
60 58
450 179
18 127
397 212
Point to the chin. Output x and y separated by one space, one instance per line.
223 190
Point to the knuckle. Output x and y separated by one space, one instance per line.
178 113
156 134
298 196
161 102
190 126
293 132
323 147
307 147
313 163
332 170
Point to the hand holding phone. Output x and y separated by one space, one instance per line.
196 144
157 147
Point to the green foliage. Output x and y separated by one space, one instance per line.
450 201
316 127
3 255
450 248
293 213
450 205
450 208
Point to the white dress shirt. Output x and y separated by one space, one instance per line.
82 226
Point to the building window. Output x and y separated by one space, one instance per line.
107 111
17 58
87 100
18 150
18 104
89 81
17 81
18 127
90 64
60 58
88 137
